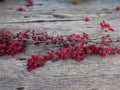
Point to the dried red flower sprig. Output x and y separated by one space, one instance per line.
43 37
81 50
77 53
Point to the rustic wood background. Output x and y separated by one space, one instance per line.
94 73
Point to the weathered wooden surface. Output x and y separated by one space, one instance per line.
94 73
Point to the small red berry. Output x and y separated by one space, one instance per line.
21 9
108 35
117 8
29 4
78 59
74 2
87 19
107 25
111 29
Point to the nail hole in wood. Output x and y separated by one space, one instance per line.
20 88
26 16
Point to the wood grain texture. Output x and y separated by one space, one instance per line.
94 73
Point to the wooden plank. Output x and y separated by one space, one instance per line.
93 73
16 16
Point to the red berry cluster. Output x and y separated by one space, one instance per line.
34 62
64 52
106 27
8 46
43 37
77 53
74 46
15 47
29 3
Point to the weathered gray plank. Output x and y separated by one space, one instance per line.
93 73
16 16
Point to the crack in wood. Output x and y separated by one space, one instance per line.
59 16
39 4
95 76
21 59
41 21
20 88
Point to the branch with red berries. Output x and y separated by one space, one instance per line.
60 47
